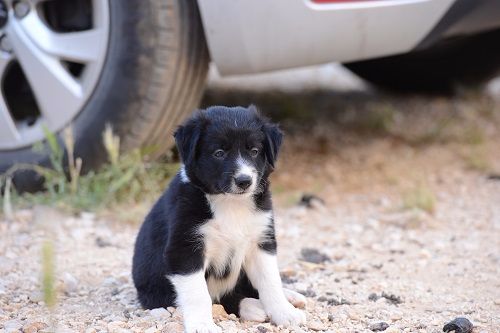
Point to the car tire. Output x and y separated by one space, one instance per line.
464 61
153 76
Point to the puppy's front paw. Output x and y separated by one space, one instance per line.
287 315
202 327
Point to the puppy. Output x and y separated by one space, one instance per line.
210 237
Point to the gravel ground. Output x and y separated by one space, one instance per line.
367 257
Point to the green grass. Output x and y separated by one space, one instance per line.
48 275
125 179
420 197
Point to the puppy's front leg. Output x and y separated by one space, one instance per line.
262 270
195 303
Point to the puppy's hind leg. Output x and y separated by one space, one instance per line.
296 299
252 309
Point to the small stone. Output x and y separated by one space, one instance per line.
308 293
379 327
262 329
173 327
12 326
152 329
36 296
459 325
70 283
354 316
316 325
159 313
219 312
311 201
314 256
34 327
331 317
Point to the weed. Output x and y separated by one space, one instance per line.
48 275
378 120
477 159
421 198
125 178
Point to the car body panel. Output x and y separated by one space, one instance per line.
250 36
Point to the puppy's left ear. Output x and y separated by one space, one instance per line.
186 138
272 143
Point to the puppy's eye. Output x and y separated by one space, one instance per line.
219 153
254 152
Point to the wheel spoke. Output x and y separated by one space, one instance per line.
8 130
55 90
80 46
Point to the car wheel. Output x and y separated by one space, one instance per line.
464 61
138 65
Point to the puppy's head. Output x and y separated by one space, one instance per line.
228 150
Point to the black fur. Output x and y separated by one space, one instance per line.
167 243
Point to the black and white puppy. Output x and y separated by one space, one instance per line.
210 237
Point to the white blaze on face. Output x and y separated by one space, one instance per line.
245 168
184 176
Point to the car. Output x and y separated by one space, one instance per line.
139 66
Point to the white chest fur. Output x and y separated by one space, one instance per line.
230 237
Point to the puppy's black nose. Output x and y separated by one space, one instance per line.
243 181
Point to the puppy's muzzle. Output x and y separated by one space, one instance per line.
243 181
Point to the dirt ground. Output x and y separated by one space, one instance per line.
404 214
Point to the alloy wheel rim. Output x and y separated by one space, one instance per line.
47 58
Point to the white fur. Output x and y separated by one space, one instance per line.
246 169
194 301
233 234
184 176
251 309
262 270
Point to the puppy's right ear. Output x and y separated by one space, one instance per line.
186 140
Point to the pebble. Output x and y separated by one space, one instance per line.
70 283
218 312
34 327
36 296
159 313
379 327
12 326
316 325
152 329
313 256
173 327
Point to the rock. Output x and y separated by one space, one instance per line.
159 313
307 293
152 329
459 325
173 327
316 325
70 283
313 256
311 201
34 327
379 327
218 312
115 326
36 296
101 242
12 326
262 329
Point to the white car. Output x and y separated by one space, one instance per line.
140 65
